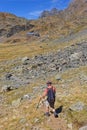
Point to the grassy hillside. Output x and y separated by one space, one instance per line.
22 114
59 55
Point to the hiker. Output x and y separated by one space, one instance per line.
50 92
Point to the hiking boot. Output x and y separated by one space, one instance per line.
47 114
55 114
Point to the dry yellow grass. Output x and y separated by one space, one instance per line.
12 117
27 112
26 48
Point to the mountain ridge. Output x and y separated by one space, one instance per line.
11 24
53 23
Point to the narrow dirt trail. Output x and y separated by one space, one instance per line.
56 123
52 123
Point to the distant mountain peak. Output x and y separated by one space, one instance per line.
54 22
53 11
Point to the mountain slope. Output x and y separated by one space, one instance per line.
51 24
11 24
62 23
26 67
66 68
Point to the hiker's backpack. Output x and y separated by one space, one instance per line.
50 95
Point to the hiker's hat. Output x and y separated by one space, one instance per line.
49 82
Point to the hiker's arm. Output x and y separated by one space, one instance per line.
43 95
54 90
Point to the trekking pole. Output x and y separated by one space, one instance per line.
38 104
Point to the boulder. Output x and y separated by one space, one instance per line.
25 60
70 126
25 97
83 128
58 77
76 56
36 34
8 76
83 77
6 88
79 106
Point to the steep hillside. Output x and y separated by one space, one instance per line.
77 8
23 79
52 24
62 23
58 55
77 12
11 24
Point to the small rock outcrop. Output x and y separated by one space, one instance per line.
18 28
25 60
8 76
6 88
11 24
79 106
83 128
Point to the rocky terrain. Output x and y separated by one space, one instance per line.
78 7
63 23
59 54
41 66
22 79
11 24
